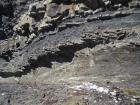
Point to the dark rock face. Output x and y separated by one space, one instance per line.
94 4
9 13
124 2
7 8
6 13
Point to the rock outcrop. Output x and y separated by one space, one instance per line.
89 47
47 16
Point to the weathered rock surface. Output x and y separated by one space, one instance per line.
69 52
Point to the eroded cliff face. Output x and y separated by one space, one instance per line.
70 52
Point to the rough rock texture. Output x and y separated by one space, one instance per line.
69 52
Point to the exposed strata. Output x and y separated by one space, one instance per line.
45 18
71 42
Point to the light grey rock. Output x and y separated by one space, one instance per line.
118 14
53 10
105 17
90 19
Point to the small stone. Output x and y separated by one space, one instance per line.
80 7
2 94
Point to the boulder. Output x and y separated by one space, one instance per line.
53 10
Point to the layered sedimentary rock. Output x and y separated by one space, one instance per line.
82 45
25 22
